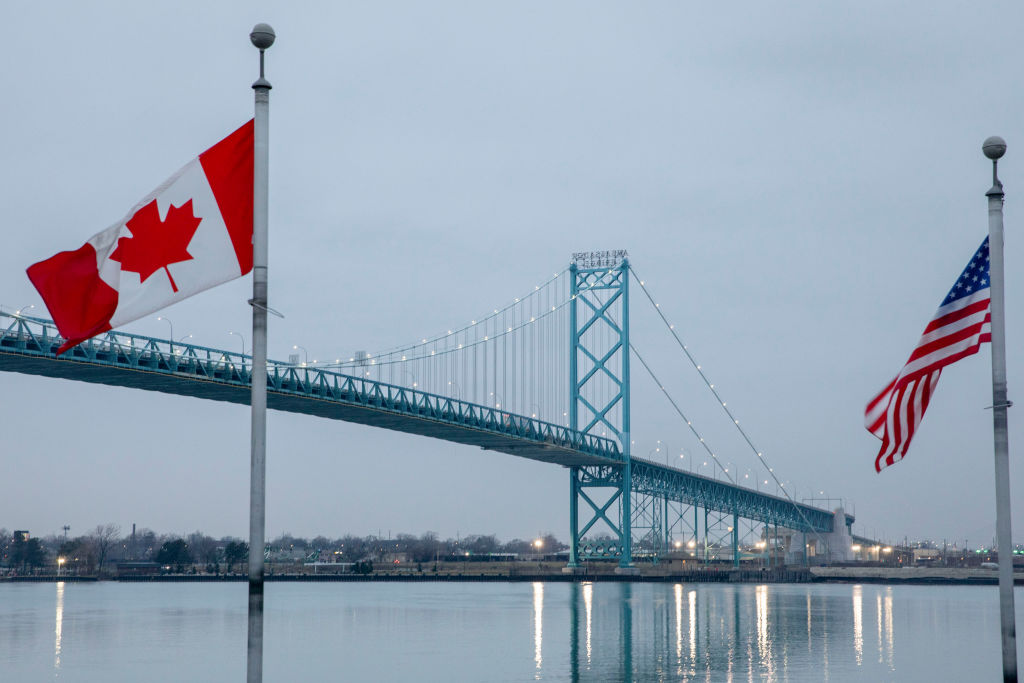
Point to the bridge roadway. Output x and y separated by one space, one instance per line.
28 345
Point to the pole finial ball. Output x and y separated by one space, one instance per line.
994 147
262 36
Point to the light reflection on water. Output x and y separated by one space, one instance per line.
858 623
503 631
59 625
538 623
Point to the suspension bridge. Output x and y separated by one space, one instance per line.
546 377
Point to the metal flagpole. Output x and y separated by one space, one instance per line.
994 148
262 36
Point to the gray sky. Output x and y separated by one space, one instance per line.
798 183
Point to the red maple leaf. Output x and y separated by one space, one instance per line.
156 243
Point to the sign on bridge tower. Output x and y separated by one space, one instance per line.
599 402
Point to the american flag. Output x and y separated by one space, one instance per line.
958 329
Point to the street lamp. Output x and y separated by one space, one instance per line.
296 347
171 325
654 450
60 563
240 336
166 320
23 309
457 388
178 353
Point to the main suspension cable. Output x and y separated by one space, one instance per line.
711 387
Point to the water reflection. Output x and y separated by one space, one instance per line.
888 625
858 623
678 591
625 631
588 603
538 622
58 625
691 599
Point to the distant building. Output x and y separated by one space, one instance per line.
21 535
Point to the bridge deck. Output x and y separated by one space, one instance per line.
28 345
675 484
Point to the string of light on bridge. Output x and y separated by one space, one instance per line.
710 385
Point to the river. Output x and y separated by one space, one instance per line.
112 632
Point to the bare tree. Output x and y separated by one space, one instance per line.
103 538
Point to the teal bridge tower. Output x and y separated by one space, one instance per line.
545 377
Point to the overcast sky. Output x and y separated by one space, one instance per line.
798 183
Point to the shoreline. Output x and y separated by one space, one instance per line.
873 575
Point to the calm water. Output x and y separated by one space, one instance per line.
109 632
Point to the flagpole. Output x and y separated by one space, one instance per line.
994 148
262 37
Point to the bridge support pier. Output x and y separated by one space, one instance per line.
625 518
574 518
735 540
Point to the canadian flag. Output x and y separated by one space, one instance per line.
191 233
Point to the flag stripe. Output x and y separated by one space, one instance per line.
228 166
952 351
979 302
